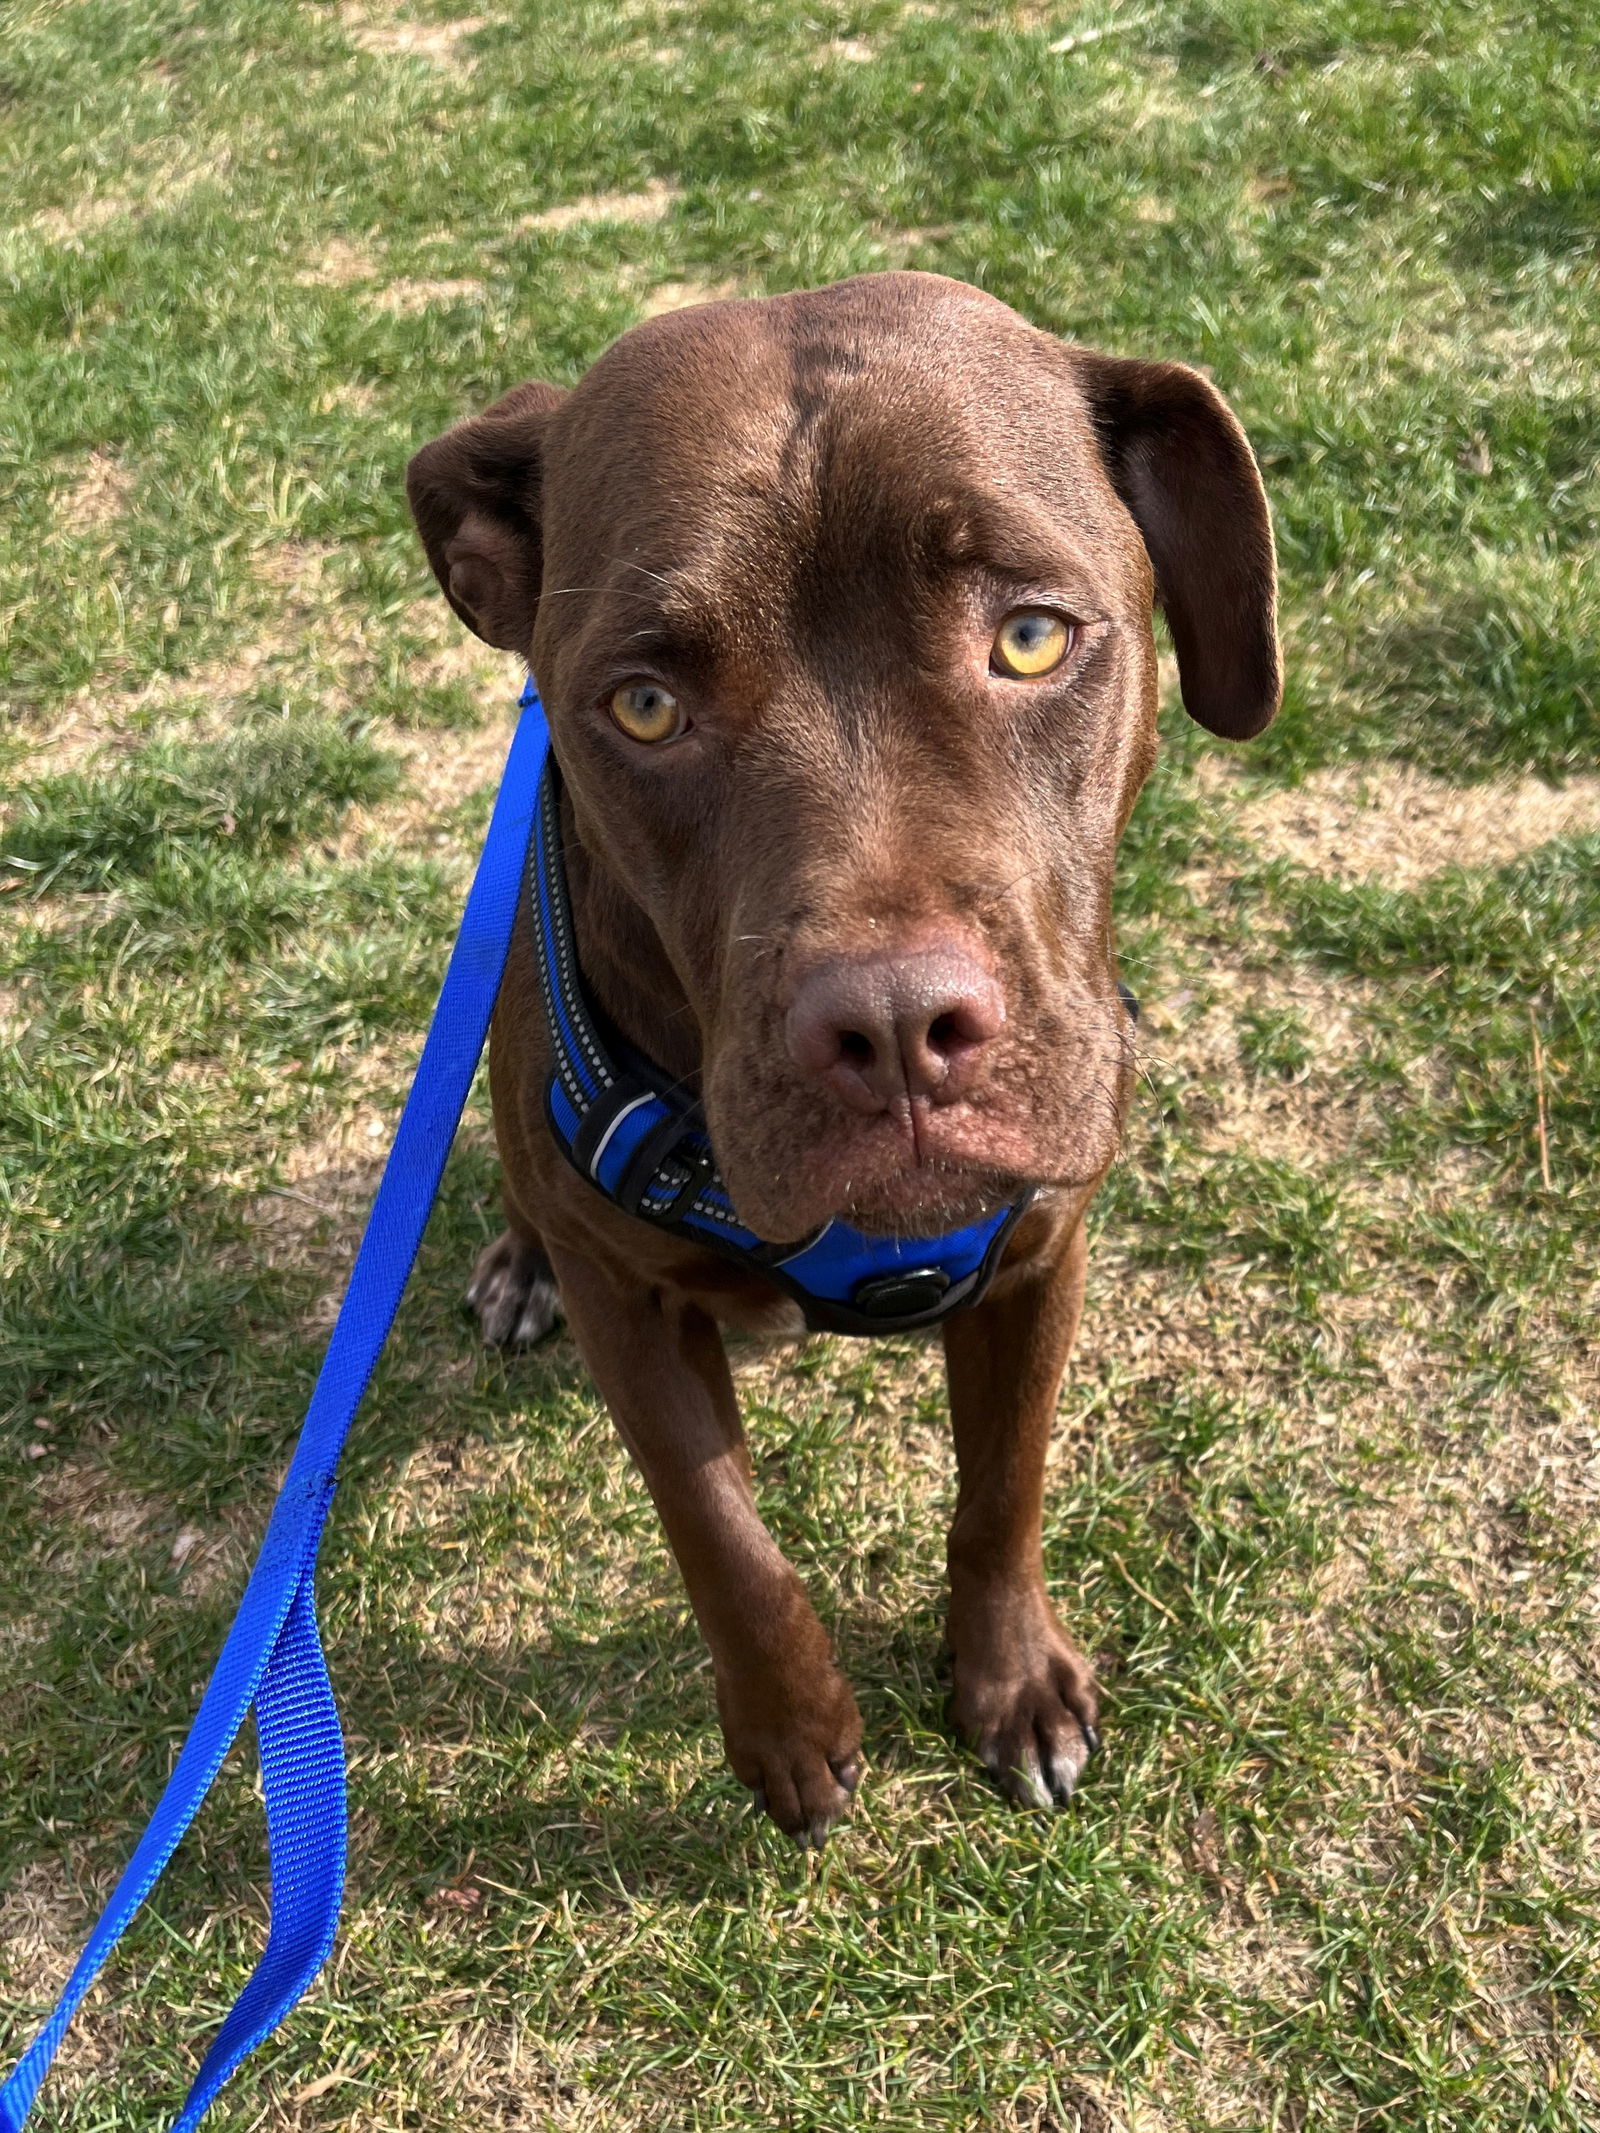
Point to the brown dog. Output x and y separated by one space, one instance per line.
840 604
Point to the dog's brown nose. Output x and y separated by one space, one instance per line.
888 1027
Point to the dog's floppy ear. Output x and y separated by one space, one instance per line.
1184 468
474 493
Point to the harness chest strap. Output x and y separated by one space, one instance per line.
640 1139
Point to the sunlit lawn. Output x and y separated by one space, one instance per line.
1325 1493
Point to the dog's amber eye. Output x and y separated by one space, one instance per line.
647 712
1030 642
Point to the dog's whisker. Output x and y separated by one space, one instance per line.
994 896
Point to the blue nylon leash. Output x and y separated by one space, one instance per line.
272 1659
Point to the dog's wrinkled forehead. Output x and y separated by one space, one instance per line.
785 469
747 465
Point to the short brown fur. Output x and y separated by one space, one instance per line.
805 516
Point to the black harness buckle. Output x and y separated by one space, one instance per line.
903 1294
693 1169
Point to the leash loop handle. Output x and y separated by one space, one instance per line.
272 1659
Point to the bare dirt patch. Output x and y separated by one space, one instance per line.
68 225
681 295
405 297
95 500
653 204
340 264
1392 824
382 34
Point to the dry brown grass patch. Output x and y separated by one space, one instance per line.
1309 1119
494 677
165 172
357 399
96 498
40 1927
442 770
1393 824
408 295
653 204
69 225
91 725
92 1516
388 36
294 568
341 264
681 295
1079 2106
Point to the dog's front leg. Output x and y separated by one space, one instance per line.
1024 1695
788 1717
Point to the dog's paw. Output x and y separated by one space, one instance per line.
1025 1702
514 1293
809 1795
802 1762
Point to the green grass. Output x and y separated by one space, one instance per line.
1324 1501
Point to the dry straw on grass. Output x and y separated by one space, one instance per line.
1389 823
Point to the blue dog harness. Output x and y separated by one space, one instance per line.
643 1144
636 1135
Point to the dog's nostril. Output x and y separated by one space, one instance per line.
884 1028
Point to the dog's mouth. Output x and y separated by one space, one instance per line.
932 1200
886 1183
919 1168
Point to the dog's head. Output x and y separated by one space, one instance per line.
840 604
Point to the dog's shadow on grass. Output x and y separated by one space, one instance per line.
592 1764
585 1752
586 1757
